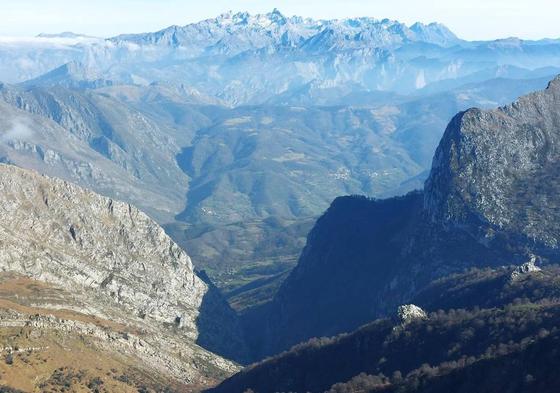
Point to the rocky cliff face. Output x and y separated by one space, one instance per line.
491 199
112 255
496 171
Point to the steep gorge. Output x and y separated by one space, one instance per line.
491 199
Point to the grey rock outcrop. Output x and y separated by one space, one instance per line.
106 250
494 171
526 268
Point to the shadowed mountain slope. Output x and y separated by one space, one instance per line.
490 200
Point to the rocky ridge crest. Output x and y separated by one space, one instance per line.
494 170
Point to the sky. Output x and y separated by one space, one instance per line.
469 19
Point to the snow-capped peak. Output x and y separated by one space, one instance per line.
250 20
435 33
232 33
276 16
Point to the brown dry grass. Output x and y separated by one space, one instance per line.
72 362
16 291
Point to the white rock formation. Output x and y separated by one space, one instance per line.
526 268
58 232
409 312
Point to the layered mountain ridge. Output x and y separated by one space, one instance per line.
252 59
235 133
179 122
211 175
118 265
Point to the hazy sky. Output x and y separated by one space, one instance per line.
470 19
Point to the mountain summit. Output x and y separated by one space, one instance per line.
494 171
73 74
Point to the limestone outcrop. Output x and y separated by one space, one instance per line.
119 263
408 313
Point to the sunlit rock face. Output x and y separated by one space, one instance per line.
496 171
108 251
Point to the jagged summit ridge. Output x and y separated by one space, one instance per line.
254 31
245 18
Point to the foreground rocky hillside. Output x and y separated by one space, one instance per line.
490 200
114 278
52 340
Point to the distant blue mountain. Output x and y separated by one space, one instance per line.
240 58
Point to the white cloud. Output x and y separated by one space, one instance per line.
46 41
19 130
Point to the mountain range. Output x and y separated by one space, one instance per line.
252 59
235 133
468 264
293 159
